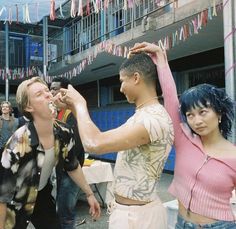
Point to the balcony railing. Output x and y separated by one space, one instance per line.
105 24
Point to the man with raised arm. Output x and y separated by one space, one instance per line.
143 144
29 158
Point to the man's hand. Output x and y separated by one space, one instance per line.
72 98
157 53
94 210
57 99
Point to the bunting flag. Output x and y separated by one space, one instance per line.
52 10
73 9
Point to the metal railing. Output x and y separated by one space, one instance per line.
107 23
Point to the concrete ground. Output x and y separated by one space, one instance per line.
102 223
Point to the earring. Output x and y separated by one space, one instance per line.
219 120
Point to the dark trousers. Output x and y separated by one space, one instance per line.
67 198
44 215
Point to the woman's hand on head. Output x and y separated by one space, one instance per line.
157 53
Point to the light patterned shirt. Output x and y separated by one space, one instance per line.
138 170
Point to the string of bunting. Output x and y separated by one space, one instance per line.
181 34
30 11
20 73
94 6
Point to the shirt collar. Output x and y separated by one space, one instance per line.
34 135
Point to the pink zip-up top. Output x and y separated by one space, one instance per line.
201 183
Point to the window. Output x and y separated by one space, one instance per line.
215 76
17 52
117 96
2 50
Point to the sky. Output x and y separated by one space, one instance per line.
43 8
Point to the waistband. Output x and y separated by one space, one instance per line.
148 205
182 223
113 204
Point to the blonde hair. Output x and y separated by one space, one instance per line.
8 103
11 119
22 97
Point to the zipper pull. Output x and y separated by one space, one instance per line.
207 158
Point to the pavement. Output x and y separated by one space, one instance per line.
102 223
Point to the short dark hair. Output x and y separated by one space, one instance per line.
207 95
64 82
143 64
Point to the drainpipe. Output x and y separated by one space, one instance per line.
64 43
45 46
7 60
98 91
229 13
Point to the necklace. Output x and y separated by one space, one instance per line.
145 102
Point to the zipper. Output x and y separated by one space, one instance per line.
205 161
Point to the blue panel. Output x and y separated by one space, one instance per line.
110 118
27 50
170 163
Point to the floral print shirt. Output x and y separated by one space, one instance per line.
138 170
21 166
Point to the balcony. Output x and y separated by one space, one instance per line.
149 20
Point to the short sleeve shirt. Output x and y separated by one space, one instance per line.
138 170
21 166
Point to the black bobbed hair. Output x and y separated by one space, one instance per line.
207 95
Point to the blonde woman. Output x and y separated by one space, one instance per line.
8 123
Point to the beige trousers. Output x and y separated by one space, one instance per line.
148 216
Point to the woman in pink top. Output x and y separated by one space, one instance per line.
205 167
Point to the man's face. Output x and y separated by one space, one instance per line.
55 88
127 86
40 99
